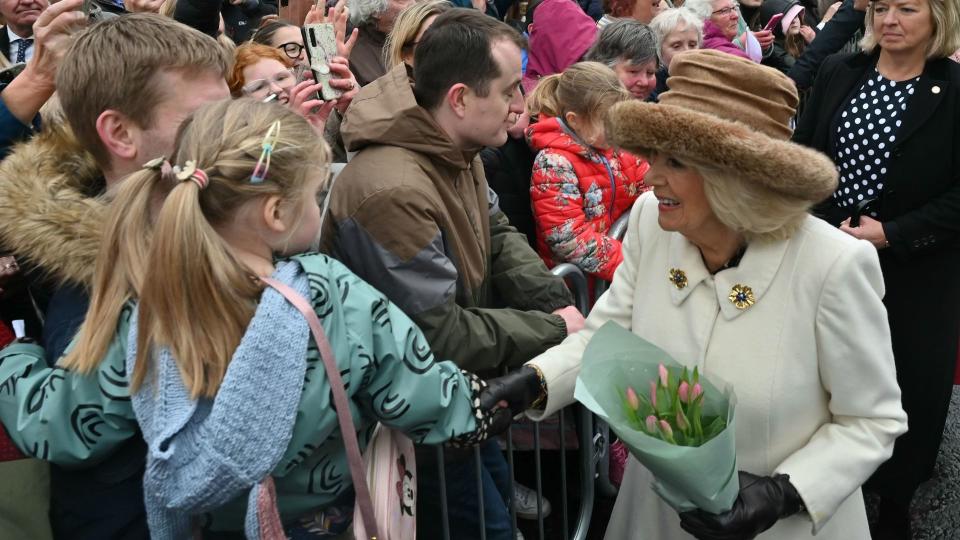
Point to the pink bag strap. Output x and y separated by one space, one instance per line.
340 400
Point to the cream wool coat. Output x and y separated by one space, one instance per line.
810 362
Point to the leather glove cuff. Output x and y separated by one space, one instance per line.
792 502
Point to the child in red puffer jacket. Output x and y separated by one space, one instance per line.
580 186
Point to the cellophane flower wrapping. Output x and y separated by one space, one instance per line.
687 477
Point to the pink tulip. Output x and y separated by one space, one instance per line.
665 428
653 393
632 399
684 392
697 390
652 424
682 423
663 375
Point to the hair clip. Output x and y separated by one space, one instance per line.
263 164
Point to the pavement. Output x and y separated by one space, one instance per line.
936 506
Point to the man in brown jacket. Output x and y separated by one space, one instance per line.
412 215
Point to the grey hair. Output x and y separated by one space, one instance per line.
363 11
703 8
671 19
624 39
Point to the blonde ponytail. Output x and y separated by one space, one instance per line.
196 298
544 99
119 268
588 89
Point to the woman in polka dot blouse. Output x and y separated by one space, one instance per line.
890 119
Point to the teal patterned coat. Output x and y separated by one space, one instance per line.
388 370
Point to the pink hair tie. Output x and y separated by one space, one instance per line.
190 172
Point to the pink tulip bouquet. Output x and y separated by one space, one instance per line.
680 425
673 412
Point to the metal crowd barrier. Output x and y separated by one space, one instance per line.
588 453
606 488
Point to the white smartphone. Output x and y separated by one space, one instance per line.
320 42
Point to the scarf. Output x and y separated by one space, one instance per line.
204 453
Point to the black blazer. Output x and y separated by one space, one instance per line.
920 201
5 43
835 34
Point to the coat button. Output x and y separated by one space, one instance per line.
935 89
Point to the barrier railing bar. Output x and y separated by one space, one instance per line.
539 472
444 513
563 475
479 468
581 296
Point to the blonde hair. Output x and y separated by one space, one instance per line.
129 52
407 26
754 211
945 16
587 89
195 298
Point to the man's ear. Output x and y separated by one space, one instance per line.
457 98
118 134
275 214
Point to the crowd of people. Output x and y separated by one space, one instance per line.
176 195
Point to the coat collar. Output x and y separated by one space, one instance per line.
934 83
756 271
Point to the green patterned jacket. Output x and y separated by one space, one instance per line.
388 370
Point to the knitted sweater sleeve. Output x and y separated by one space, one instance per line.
558 211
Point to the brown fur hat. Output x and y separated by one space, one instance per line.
729 114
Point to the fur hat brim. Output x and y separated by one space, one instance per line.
706 141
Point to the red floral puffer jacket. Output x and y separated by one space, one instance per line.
577 193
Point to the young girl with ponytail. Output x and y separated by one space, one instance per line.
222 373
580 185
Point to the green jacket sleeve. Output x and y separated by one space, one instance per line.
61 416
401 385
517 273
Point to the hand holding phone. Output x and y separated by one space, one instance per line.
773 22
320 42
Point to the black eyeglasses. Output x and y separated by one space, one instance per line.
292 49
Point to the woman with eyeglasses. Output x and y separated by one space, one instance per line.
283 36
266 74
721 27
889 116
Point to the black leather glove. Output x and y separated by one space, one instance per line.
491 419
763 500
520 389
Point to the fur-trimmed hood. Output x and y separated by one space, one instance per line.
52 206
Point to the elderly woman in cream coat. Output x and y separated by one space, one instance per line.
724 269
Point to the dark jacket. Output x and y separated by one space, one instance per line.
4 42
508 171
366 59
240 21
835 35
919 207
412 215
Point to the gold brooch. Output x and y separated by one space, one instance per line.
678 278
742 296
